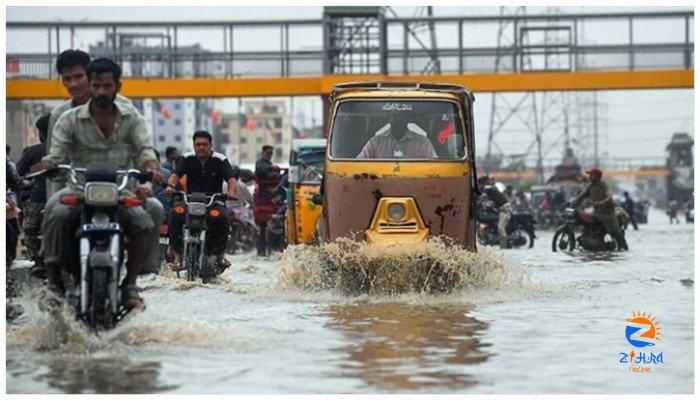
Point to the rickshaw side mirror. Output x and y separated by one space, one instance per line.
317 199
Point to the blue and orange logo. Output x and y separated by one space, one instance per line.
642 330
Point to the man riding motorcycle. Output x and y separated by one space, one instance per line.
603 208
206 172
33 207
106 132
501 203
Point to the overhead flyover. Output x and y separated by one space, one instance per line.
313 55
321 85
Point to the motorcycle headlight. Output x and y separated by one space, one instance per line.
197 209
569 212
396 211
101 193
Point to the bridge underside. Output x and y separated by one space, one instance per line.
321 85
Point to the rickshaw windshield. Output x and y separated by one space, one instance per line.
311 165
397 129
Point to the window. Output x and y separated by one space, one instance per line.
278 122
177 106
258 139
244 140
161 138
178 122
178 138
161 122
426 129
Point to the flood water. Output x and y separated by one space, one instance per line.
553 323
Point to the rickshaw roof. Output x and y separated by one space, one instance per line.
298 144
401 89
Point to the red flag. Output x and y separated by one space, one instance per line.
214 115
445 133
12 66
164 111
249 124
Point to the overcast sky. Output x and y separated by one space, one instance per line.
635 123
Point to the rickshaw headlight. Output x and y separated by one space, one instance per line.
396 211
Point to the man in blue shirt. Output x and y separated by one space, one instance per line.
629 207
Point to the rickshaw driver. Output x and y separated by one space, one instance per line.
398 142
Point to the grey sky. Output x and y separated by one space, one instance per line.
636 123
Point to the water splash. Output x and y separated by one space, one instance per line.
356 267
56 327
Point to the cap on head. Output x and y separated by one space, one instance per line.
595 171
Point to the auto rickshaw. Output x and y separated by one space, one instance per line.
399 164
305 173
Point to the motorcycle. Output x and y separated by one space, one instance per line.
195 261
269 209
97 298
276 234
242 232
592 237
164 241
520 229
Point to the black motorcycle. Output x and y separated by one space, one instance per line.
98 297
592 234
196 261
242 233
520 229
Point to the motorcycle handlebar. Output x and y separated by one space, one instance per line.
212 197
125 173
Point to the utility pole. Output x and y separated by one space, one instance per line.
433 41
566 123
596 160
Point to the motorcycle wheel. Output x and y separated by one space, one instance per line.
98 311
482 236
261 243
191 261
531 237
232 244
562 239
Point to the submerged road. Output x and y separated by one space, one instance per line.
555 323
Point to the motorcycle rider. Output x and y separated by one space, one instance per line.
502 205
604 210
101 130
31 224
206 172
71 66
